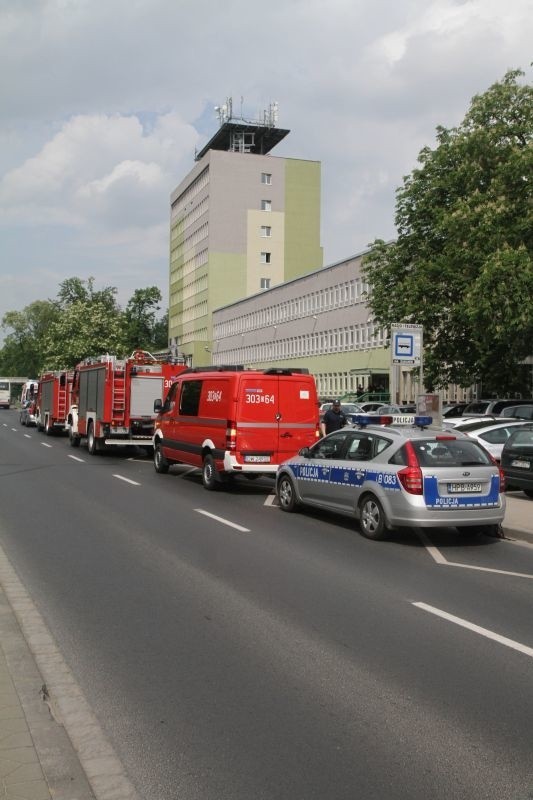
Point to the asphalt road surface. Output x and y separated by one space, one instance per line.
230 650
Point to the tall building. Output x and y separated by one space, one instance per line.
242 221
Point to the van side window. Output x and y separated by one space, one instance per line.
190 398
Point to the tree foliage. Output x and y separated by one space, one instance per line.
23 351
462 264
81 322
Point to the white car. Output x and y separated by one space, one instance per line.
492 433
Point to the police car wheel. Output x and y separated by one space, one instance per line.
209 473
161 465
372 518
286 494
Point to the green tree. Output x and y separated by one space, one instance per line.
462 264
89 323
22 352
142 329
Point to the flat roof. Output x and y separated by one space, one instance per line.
265 138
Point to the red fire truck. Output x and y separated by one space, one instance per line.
53 400
113 399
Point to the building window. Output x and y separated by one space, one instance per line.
266 177
266 205
265 258
266 231
265 283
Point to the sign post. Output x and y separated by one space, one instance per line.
406 349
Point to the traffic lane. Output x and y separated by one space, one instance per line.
472 553
312 630
303 657
475 554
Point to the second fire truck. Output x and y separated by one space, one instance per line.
113 399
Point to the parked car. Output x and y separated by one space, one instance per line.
390 477
518 412
494 406
517 459
394 408
450 411
491 433
371 407
28 413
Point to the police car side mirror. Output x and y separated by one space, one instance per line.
304 452
158 405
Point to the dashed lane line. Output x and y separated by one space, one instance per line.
75 458
496 637
223 521
45 444
270 500
126 480
27 436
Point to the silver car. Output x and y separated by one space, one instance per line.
390 477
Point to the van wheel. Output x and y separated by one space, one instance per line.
92 441
209 473
286 494
372 518
161 465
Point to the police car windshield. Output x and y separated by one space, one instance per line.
450 453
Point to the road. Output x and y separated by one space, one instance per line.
230 650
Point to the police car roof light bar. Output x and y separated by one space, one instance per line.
423 422
371 419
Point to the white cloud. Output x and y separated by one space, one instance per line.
104 102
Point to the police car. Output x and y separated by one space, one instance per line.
391 477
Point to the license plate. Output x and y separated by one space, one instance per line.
521 464
257 459
460 488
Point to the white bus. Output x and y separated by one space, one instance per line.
5 394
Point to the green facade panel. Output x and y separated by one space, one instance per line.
303 252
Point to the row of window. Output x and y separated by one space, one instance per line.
186 200
189 266
358 337
344 294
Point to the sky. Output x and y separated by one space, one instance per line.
103 104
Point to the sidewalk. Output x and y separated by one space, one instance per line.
518 521
37 760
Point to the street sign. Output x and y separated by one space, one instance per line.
406 344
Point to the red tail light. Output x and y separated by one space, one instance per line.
411 476
231 435
503 482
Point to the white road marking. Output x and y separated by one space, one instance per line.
75 458
27 436
440 559
270 499
224 521
522 648
127 480
4 424
44 444
14 429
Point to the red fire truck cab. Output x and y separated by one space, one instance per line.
229 421
112 399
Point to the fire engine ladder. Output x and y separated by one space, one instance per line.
119 394
62 402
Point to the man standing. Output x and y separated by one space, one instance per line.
333 419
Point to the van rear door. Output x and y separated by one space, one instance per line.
276 416
298 414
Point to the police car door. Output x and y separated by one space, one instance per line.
320 479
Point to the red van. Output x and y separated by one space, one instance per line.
228 420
